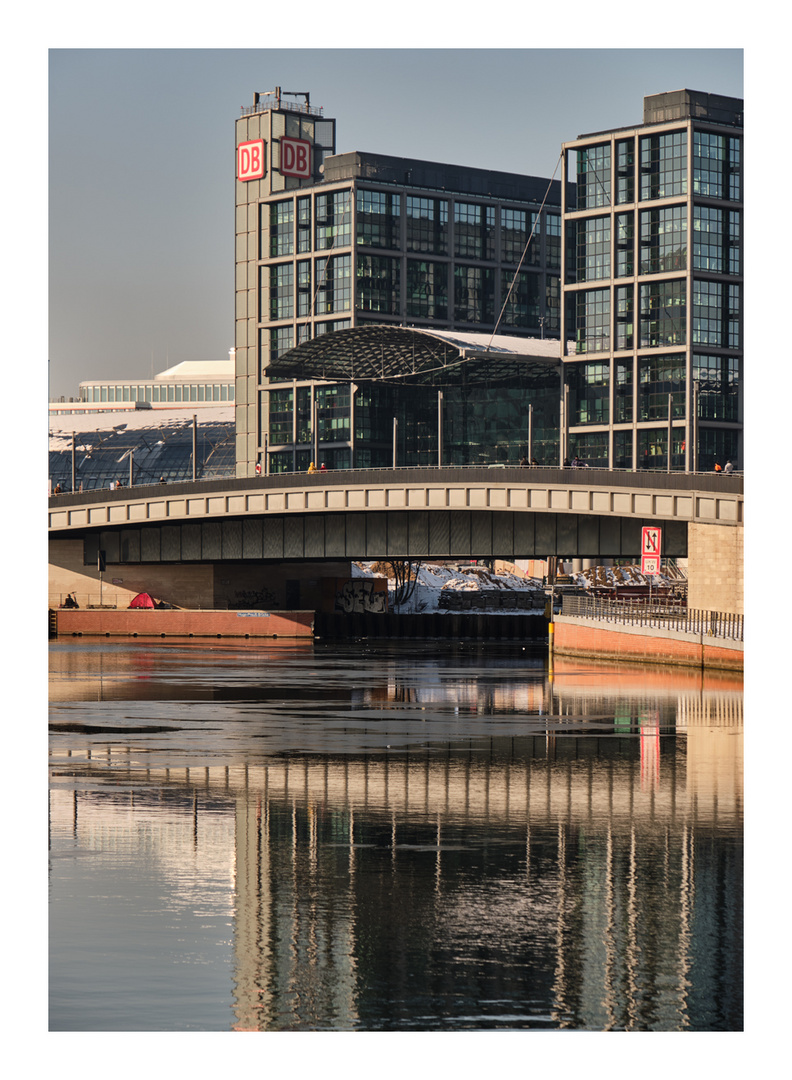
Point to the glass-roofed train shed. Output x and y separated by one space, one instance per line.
141 447
381 396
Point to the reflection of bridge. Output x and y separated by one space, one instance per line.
410 513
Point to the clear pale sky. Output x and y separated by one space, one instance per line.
141 164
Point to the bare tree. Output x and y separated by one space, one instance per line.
405 576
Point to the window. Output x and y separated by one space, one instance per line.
427 289
663 314
553 241
592 321
659 376
589 393
663 240
334 284
378 218
427 225
593 177
522 308
625 317
593 249
718 380
716 165
303 225
625 171
708 239
333 220
625 245
378 284
664 165
281 228
623 395
474 231
281 291
474 294
516 227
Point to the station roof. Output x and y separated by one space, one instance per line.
417 356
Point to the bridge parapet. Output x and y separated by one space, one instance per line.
681 497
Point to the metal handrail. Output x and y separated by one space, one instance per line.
723 624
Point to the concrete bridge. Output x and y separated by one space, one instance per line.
418 513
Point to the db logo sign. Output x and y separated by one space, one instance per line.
295 157
250 160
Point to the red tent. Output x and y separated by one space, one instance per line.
142 600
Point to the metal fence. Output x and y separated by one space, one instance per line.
721 624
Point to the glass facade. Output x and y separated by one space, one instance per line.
656 226
157 393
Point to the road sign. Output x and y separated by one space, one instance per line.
651 537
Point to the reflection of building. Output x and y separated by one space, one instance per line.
329 242
653 243
330 851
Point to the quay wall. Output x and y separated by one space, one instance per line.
148 622
576 636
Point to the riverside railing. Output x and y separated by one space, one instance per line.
723 624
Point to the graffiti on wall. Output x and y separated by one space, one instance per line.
360 595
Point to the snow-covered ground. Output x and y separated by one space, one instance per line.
435 578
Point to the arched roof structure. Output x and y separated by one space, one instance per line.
417 356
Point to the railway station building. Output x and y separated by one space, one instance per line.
328 243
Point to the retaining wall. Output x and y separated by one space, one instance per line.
575 636
147 622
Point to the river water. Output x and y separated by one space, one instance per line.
408 837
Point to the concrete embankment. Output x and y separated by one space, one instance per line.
578 636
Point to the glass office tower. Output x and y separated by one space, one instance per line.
328 242
652 263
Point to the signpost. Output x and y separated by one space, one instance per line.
651 537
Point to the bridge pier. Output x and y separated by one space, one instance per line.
715 568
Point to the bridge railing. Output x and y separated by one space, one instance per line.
663 616
510 474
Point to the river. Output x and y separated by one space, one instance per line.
407 836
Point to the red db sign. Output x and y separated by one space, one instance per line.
295 157
250 160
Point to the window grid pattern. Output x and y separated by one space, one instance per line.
663 314
427 289
592 321
333 220
625 171
281 286
707 313
659 376
378 218
303 225
625 245
718 380
664 165
281 225
552 228
474 294
593 177
516 227
623 393
378 284
474 231
588 384
664 240
716 165
334 284
593 249
426 224
523 307
625 317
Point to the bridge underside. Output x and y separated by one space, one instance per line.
385 535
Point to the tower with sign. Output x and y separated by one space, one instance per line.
281 144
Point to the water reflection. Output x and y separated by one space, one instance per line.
383 840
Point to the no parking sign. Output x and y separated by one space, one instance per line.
650 549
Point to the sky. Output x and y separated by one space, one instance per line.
141 163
